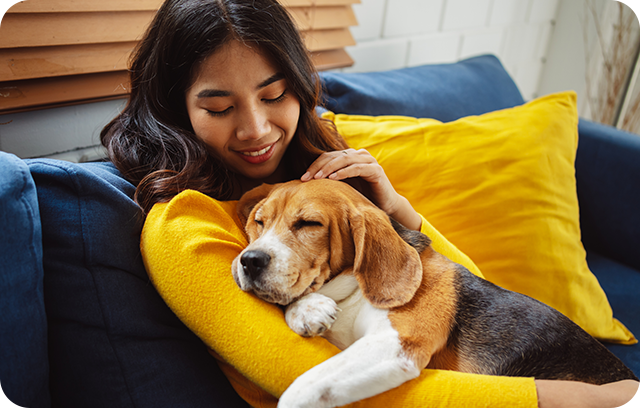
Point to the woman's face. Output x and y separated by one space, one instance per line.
239 104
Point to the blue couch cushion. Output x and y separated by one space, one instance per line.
622 285
112 340
608 182
445 92
24 368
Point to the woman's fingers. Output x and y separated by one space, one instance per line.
350 163
354 170
328 164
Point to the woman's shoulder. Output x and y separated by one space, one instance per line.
194 211
192 201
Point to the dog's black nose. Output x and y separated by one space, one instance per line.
254 262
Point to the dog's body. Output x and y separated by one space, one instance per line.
393 305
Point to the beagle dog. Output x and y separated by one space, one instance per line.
379 292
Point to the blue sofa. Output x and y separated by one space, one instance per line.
81 326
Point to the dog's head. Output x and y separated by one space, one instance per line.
303 234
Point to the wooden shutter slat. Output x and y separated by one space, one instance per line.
310 3
46 92
41 62
41 29
18 96
322 40
321 18
331 59
74 6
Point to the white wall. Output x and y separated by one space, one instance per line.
400 33
69 133
566 54
573 43
391 34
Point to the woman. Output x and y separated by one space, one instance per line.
223 98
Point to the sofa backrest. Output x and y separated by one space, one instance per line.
608 182
445 92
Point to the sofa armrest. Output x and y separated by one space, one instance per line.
24 367
608 182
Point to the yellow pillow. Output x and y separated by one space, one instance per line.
501 187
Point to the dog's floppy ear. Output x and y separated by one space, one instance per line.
388 270
250 199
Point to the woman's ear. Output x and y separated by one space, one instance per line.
250 199
388 270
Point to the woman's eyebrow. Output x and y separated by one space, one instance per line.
273 78
212 93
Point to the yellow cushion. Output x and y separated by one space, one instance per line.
501 187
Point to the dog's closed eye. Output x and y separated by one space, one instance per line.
301 223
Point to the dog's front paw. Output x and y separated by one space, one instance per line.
295 397
311 315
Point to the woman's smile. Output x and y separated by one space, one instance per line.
258 156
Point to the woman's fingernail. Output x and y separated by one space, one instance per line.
318 175
306 176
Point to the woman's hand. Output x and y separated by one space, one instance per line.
569 394
351 163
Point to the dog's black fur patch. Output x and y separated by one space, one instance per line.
511 334
507 333
416 239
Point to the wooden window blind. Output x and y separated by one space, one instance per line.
62 52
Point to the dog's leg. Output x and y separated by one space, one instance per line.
311 315
373 364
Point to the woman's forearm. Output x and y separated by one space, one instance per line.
407 215
570 394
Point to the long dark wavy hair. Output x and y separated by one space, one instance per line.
152 141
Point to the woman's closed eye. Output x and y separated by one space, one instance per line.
219 112
277 98
223 112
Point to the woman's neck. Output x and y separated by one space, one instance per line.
243 184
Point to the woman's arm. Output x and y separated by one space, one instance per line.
569 394
188 246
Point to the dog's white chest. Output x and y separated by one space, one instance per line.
346 330
356 317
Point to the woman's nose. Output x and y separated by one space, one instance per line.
253 124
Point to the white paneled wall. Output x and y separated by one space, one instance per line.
401 33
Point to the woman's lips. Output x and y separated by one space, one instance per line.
258 156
